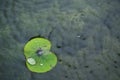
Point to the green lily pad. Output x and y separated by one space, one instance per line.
38 56
35 44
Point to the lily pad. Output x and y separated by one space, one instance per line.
35 44
43 64
38 56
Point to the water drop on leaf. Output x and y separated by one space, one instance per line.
31 61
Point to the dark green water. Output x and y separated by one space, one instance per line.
85 35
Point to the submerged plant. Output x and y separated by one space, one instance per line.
38 56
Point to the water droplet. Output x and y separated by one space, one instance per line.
41 64
31 61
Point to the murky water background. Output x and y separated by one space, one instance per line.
85 35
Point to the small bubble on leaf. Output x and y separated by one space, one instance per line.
41 64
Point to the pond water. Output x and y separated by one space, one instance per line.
85 36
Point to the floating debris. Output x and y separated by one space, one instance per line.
78 36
